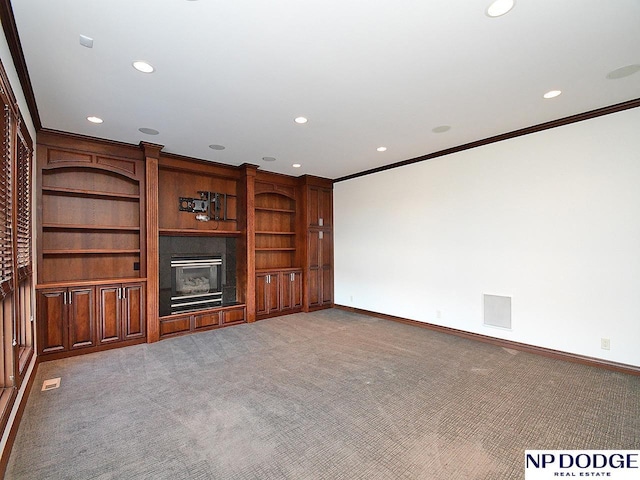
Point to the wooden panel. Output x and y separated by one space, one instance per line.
286 290
60 239
133 311
175 325
109 314
275 259
314 249
326 207
68 210
81 317
296 290
83 267
262 305
207 320
273 292
315 283
327 285
326 245
174 184
128 166
314 206
60 157
233 316
89 179
52 328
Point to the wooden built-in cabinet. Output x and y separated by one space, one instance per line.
278 292
66 319
203 320
92 245
121 312
108 211
317 194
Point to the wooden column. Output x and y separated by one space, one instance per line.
152 155
246 252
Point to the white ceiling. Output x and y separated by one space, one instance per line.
366 73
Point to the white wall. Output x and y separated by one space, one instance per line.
550 219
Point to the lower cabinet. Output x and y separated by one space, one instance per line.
73 318
278 291
121 313
191 322
66 319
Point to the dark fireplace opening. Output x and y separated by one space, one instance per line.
196 282
192 279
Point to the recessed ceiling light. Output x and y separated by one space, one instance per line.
441 129
143 67
552 93
148 131
86 41
269 159
217 147
300 120
623 72
95 119
381 149
500 7
296 165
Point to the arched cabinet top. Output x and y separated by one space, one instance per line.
58 159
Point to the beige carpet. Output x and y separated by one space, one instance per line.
328 395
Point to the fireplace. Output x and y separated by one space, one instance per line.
196 282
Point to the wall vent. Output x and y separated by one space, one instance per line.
497 311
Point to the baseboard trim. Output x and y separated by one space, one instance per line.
523 347
13 428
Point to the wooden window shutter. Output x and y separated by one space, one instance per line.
23 227
6 246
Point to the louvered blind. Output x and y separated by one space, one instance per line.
6 255
23 233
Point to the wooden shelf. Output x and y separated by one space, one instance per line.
265 232
90 283
276 249
114 228
91 251
188 232
73 192
278 210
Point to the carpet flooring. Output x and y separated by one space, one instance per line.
326 395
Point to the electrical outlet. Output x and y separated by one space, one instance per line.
351 298
605 344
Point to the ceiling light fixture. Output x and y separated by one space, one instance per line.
622 72
94 119
441 129
143 67
552 93
300 120
217 147
381 149
296 165
148 131
269 159
500 7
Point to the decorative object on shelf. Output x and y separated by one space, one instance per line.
210 205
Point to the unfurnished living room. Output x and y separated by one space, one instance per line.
320 239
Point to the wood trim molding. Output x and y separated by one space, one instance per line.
15 47
522 347
152 154
504 136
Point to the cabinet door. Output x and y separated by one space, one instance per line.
290 290
327 285
109 328
52 328
320 207
267 293
81 317
262 306
133 308
296 289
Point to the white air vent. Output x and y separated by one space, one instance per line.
51 384
497 311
